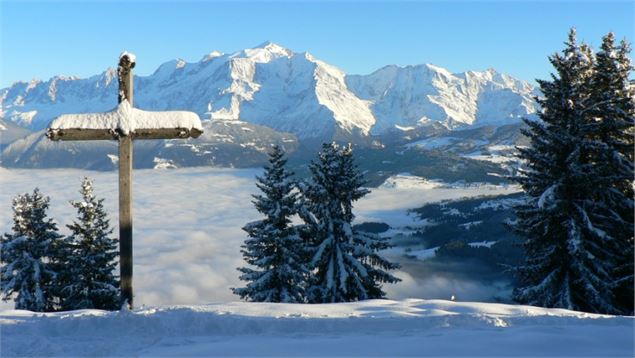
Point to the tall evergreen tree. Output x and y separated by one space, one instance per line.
610 130
274 246
345 262
31 255
569 257
89 280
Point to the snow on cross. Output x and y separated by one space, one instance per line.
124 124
126 120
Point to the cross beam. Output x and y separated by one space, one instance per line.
79 134
125 124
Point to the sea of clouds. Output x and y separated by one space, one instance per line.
187 227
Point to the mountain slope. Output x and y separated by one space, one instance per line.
230 143
415 95
291 92
10 132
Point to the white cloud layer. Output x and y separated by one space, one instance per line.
187 227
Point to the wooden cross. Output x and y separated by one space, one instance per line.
125 124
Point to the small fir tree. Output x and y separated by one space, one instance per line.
90 281
345 262
31 255
274 247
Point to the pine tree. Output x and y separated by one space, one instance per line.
610 129
30 255
345 262
569 257
89 280
274 246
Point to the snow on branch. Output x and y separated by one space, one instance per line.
547 196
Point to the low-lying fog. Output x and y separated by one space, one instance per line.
187 229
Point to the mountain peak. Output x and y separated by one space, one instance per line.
108 76
269 45
212 55
274 48
266 52
438 69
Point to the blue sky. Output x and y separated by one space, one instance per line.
39 39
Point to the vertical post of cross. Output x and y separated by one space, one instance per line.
126 64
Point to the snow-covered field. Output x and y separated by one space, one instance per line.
187 224
421 328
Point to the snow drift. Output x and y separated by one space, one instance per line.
371 328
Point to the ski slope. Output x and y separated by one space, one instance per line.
413 327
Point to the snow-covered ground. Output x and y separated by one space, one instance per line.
421 328
187 225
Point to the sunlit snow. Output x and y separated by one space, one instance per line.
128 119
421 328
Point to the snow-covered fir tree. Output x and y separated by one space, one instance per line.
274 249
89 280
345 263
31 255
611 132
570 256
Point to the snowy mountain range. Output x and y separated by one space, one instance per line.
253 98
291 92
